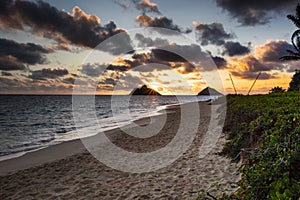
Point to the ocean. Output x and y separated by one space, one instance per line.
32 122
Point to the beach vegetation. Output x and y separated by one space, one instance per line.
263 133
295 82
276 90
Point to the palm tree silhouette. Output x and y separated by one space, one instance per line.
295 37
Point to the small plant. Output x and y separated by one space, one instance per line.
276 89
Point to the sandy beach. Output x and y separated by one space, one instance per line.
69 171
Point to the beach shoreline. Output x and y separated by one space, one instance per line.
73 134
61 150
68 170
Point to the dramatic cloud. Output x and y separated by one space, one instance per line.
184 59
173 52
25 85
149 42
93 70
121 68
211 33
160 22
235 49
108 81
167 56
184 67
251 64
251 13
15 56
265 59
251 75
146 6
7 83
10 63
48 73
181 57
42 19
272 50
96 69
220 62
249 67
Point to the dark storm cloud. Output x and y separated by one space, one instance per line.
235 49
191 53
28 53
9 63
160 22
48 73
220 62
251 13
211 33
43 19
168 56
149 42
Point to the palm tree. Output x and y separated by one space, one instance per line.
295 37
295 18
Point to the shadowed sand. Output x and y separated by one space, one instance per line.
68 171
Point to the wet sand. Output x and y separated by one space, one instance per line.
69 171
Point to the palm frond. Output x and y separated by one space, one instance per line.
294 19
298 11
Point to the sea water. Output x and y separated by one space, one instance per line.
31 122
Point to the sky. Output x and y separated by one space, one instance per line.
111 47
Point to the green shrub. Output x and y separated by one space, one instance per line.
267 129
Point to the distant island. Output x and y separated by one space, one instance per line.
209 91
144 90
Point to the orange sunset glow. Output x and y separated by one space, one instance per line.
39 56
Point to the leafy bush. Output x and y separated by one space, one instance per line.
266 128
